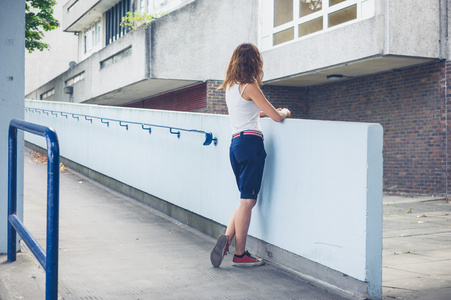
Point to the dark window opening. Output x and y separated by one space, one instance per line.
113 19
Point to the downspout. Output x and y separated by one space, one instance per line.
446 30
149 34
446 93
440 29
446 133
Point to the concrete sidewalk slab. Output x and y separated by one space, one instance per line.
417 248
23 279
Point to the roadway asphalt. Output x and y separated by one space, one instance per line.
112 247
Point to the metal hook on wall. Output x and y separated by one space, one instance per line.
88 119
174 132
54 113
209 138
75 117
149 128
123 125
105 122
63 115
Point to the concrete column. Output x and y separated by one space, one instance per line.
12 53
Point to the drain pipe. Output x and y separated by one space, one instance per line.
440 29
446 93
446 134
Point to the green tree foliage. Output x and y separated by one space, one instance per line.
38 18
136 19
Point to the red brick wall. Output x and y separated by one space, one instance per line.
215 99
293 98
410 106
192 98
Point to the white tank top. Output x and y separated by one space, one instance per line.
244 114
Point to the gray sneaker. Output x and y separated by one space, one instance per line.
220 249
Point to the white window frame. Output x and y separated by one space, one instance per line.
92 38
74 79
150 6
47 94
365 10
116 57
160 6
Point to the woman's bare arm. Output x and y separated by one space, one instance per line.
254 93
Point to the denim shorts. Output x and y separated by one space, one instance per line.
247 156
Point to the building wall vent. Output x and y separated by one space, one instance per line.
68 90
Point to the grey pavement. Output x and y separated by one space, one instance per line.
112 247
416 248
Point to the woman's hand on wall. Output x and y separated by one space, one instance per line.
284 112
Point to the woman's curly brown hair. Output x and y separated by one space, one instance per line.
245 66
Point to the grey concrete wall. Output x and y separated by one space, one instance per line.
130 69
77 10
12 48
192 43
344 44
414 28
197 41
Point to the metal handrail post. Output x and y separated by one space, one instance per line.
53 158
12 191
48 260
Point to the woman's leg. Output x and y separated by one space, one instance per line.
239 224
230 230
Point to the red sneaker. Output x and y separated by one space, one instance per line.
220 249
247 260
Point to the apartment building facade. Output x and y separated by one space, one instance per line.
377 61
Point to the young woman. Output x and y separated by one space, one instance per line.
246 104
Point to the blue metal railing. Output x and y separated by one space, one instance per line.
145 126
48 260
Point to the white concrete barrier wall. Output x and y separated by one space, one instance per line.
321 194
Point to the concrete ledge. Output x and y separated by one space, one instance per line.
330 279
